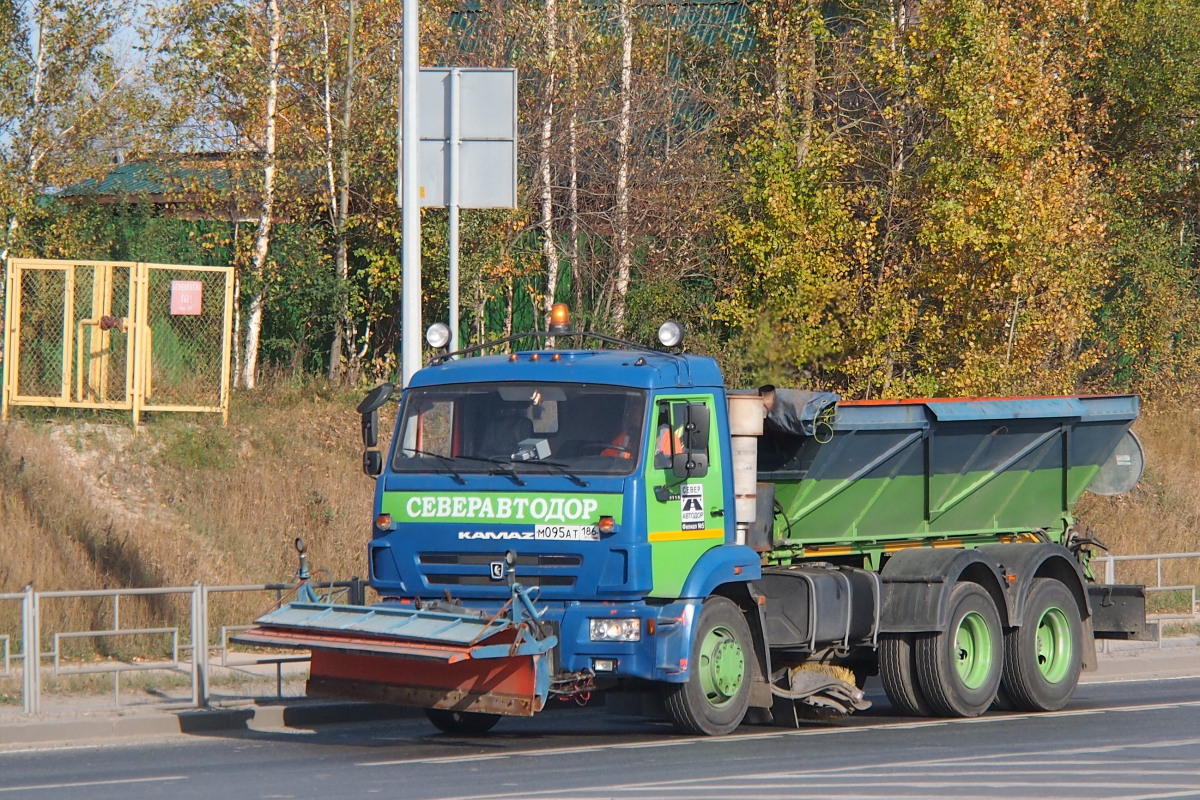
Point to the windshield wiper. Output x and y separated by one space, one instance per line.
446 461
563 470
504 468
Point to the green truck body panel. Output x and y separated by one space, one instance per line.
962 472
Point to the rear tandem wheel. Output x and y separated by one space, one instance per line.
1043 657
959 668
898 672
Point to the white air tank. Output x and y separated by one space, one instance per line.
746 414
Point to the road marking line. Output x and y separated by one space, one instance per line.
1114 681
851 786
729 740
81 784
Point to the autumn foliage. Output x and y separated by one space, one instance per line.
885 198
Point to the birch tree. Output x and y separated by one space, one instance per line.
262 238
545 175
621 232
339 187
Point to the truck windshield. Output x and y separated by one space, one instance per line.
529 428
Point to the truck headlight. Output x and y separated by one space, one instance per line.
616 630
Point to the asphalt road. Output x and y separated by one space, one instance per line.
1133 740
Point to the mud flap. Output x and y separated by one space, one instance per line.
1119 612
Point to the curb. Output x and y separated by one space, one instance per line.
274 715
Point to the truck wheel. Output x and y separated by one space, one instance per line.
461 723
959 668
897 671
716 695
1003 702
1042 658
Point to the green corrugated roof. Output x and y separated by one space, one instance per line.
173 175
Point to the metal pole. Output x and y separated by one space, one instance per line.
11 331
455 136
27 635
199 646
31 651
116 673
410 210
1110 577
205 694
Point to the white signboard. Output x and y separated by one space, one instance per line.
485 101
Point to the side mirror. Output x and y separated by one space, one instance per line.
369 409
693 461
695 427
370 428
372 463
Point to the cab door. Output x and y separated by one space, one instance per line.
684 487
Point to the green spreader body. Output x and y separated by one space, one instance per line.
873 477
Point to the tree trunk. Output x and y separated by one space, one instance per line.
262 239
549 251
31 135
342 211
624 127
573 146
808 90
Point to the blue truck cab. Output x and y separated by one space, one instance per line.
566 459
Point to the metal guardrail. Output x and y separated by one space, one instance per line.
199 662
1191 615
191 651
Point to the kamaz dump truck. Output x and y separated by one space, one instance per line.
555 523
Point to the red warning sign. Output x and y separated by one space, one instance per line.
186 298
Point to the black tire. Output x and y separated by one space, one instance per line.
959 668
1003 702
1043 657
461 723
714 699
897 672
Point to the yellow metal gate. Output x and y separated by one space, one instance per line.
119 335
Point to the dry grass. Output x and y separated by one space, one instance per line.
89 505
1162 514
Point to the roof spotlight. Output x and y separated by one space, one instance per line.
670 333
438 335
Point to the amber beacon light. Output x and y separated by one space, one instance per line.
560 318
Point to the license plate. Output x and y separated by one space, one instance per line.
567 533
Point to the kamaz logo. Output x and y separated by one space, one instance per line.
495 534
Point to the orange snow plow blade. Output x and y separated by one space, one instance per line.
413 657
493 685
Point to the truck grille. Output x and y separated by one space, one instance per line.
532 569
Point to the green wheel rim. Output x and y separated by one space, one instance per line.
722 666
973 650
1053 645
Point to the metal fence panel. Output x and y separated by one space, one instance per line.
61 351
118 335
188 312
